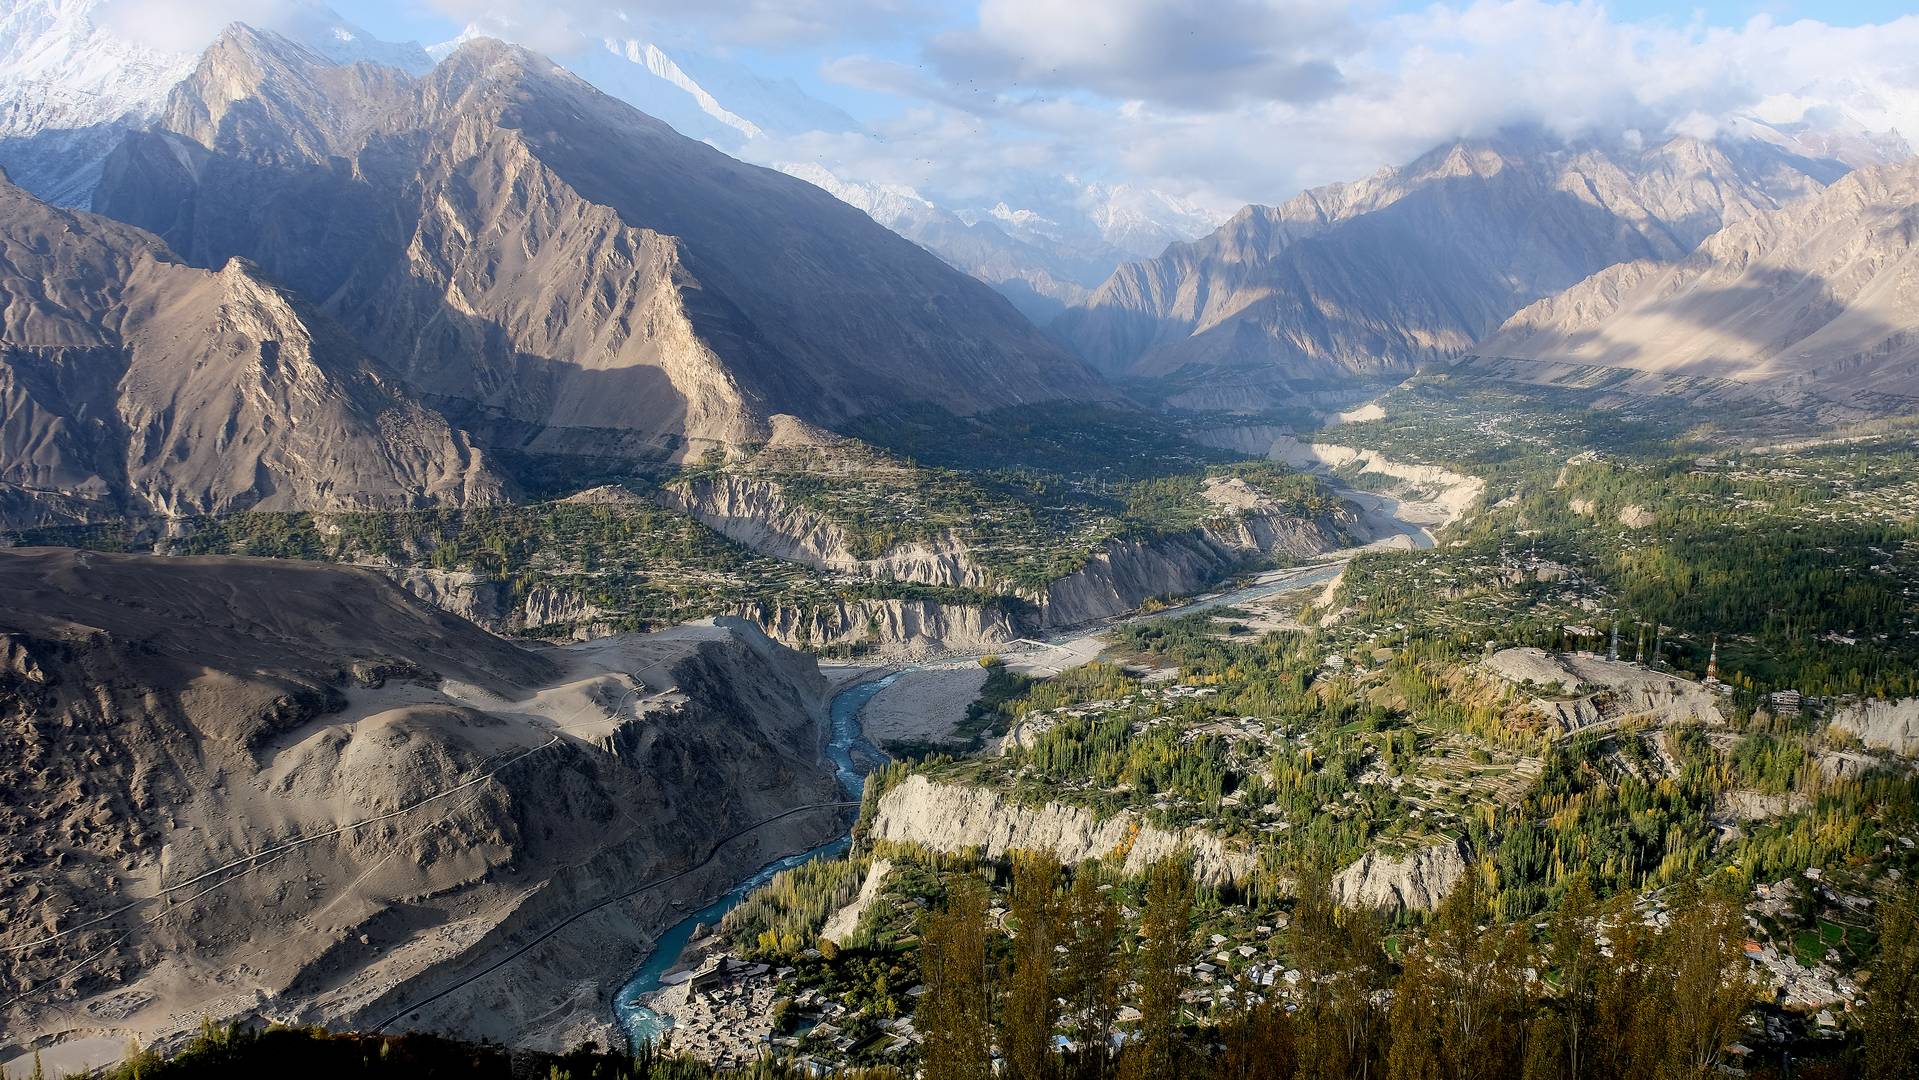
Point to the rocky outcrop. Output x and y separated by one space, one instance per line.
489 601
1882 725
756 514
546 605
954 817
1416 880
1587 691
888 626
471 596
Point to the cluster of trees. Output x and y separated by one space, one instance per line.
640 565
1779 562
1177 500
1606 991
1091 443
780 917
1604 804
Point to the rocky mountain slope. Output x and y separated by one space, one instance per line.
1416 263
73 81
431 798
131 384
714 99
1819 299
563 273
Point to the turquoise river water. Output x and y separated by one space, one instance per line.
643 1024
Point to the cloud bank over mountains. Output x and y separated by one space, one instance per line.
1234 101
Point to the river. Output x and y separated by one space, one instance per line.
847 745
844 748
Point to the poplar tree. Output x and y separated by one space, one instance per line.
954 1014
1166 925
1708 984
1890 1018
1032 1011
1575 960
1091 980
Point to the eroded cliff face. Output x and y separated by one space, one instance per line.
953 817
1882 725
1115 580
1126 573
887 626
1443 493
1415 880
434 797
756 514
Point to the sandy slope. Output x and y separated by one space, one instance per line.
236 787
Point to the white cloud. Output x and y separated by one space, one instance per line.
175 26
1404 84
1199 53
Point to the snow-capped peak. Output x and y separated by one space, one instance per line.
71 82
888 204
661 66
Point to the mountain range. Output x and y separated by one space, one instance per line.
1818 299
72 81
1370 279
342 273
